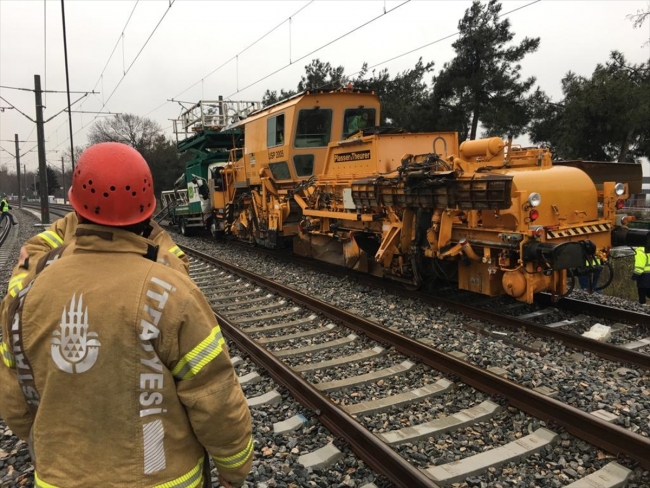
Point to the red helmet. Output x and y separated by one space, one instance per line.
112 185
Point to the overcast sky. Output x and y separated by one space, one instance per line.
200 49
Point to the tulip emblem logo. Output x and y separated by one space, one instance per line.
74 349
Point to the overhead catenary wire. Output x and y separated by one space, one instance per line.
117 43
127 70
403 54
233 58
320 48
110 56
440 40
139 52
101 76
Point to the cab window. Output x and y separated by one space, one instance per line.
275 131
356 119
280 171
304 164
314 128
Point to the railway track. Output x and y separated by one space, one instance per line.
564 321
415 450
268 329
6 236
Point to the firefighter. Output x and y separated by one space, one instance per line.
114 367
641 273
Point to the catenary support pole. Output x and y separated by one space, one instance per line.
65 193
20 194
67 83
40 137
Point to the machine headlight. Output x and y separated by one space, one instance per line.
619 189
534 199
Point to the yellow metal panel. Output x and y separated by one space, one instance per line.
568 194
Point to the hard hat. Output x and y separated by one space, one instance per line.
112 185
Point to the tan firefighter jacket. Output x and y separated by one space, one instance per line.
62 231
115 367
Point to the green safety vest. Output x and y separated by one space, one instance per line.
641 261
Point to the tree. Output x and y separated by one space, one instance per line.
483 82
271 97
77 152
166 166
321 76
318 76
52 181
605 117
138 132
639 19
402 98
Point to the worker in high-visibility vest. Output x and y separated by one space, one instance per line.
641 273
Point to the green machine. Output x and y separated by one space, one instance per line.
203 136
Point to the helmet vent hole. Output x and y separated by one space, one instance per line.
105 195
128 188
144 190
86 207
112 188
90 182
141 208
133 194
92 190
84 187
97 210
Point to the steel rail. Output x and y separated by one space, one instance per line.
605 350
610 437
5 230
374 452
575 341
598 309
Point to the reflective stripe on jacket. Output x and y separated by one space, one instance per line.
131 374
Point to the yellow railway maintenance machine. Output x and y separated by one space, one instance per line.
317 171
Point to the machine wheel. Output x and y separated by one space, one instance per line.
185 230
214 230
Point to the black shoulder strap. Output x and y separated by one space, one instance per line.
152 252
50 257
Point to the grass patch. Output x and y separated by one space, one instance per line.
622 285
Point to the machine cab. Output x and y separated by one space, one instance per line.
288 141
